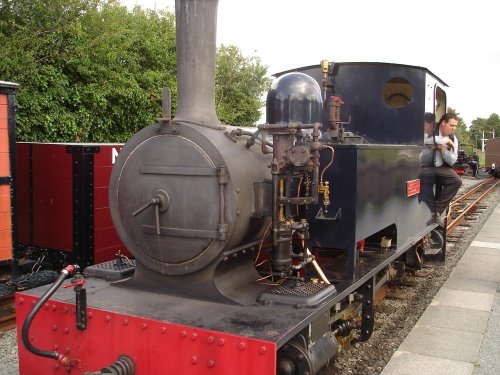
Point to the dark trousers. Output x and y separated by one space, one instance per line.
439 185
474 166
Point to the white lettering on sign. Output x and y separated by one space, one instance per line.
114 154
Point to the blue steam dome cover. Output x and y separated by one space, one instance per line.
294 97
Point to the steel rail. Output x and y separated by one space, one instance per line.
471 191
456 221
455 202
7 313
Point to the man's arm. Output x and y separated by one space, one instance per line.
450 151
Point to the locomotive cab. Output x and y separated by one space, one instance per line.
375 125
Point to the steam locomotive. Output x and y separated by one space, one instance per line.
255 252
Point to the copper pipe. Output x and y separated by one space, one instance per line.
317 268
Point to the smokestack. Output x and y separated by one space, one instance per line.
196 25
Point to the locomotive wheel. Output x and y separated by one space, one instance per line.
293 360
299 358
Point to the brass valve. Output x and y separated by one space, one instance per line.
324 188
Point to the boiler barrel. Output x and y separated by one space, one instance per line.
209 188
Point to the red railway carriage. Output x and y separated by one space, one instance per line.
7 159
62 201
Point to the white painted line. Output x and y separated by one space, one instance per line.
491 245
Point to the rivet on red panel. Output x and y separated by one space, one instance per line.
125 322
66 330
144 326
210 363
194 336
221 342
211 339
107 318
21 301
183 334
54 327
242 345
262 350
194 360
163 330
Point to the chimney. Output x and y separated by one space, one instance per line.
196 25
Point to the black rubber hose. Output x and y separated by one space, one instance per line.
27 323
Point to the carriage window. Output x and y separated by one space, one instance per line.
440 102
397 92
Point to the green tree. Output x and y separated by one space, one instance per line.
490 127
90 70
239 84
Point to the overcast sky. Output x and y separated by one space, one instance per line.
457 41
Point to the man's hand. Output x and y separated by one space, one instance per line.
450 145
447 145
441 148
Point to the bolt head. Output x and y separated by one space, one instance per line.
242 346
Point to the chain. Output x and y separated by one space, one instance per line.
34 270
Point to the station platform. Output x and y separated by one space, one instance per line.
459 332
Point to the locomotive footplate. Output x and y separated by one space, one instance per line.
271 322
145 325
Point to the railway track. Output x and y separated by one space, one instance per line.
7 313
464 207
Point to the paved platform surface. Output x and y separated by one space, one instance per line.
459 333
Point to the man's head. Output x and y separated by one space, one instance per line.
448 124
